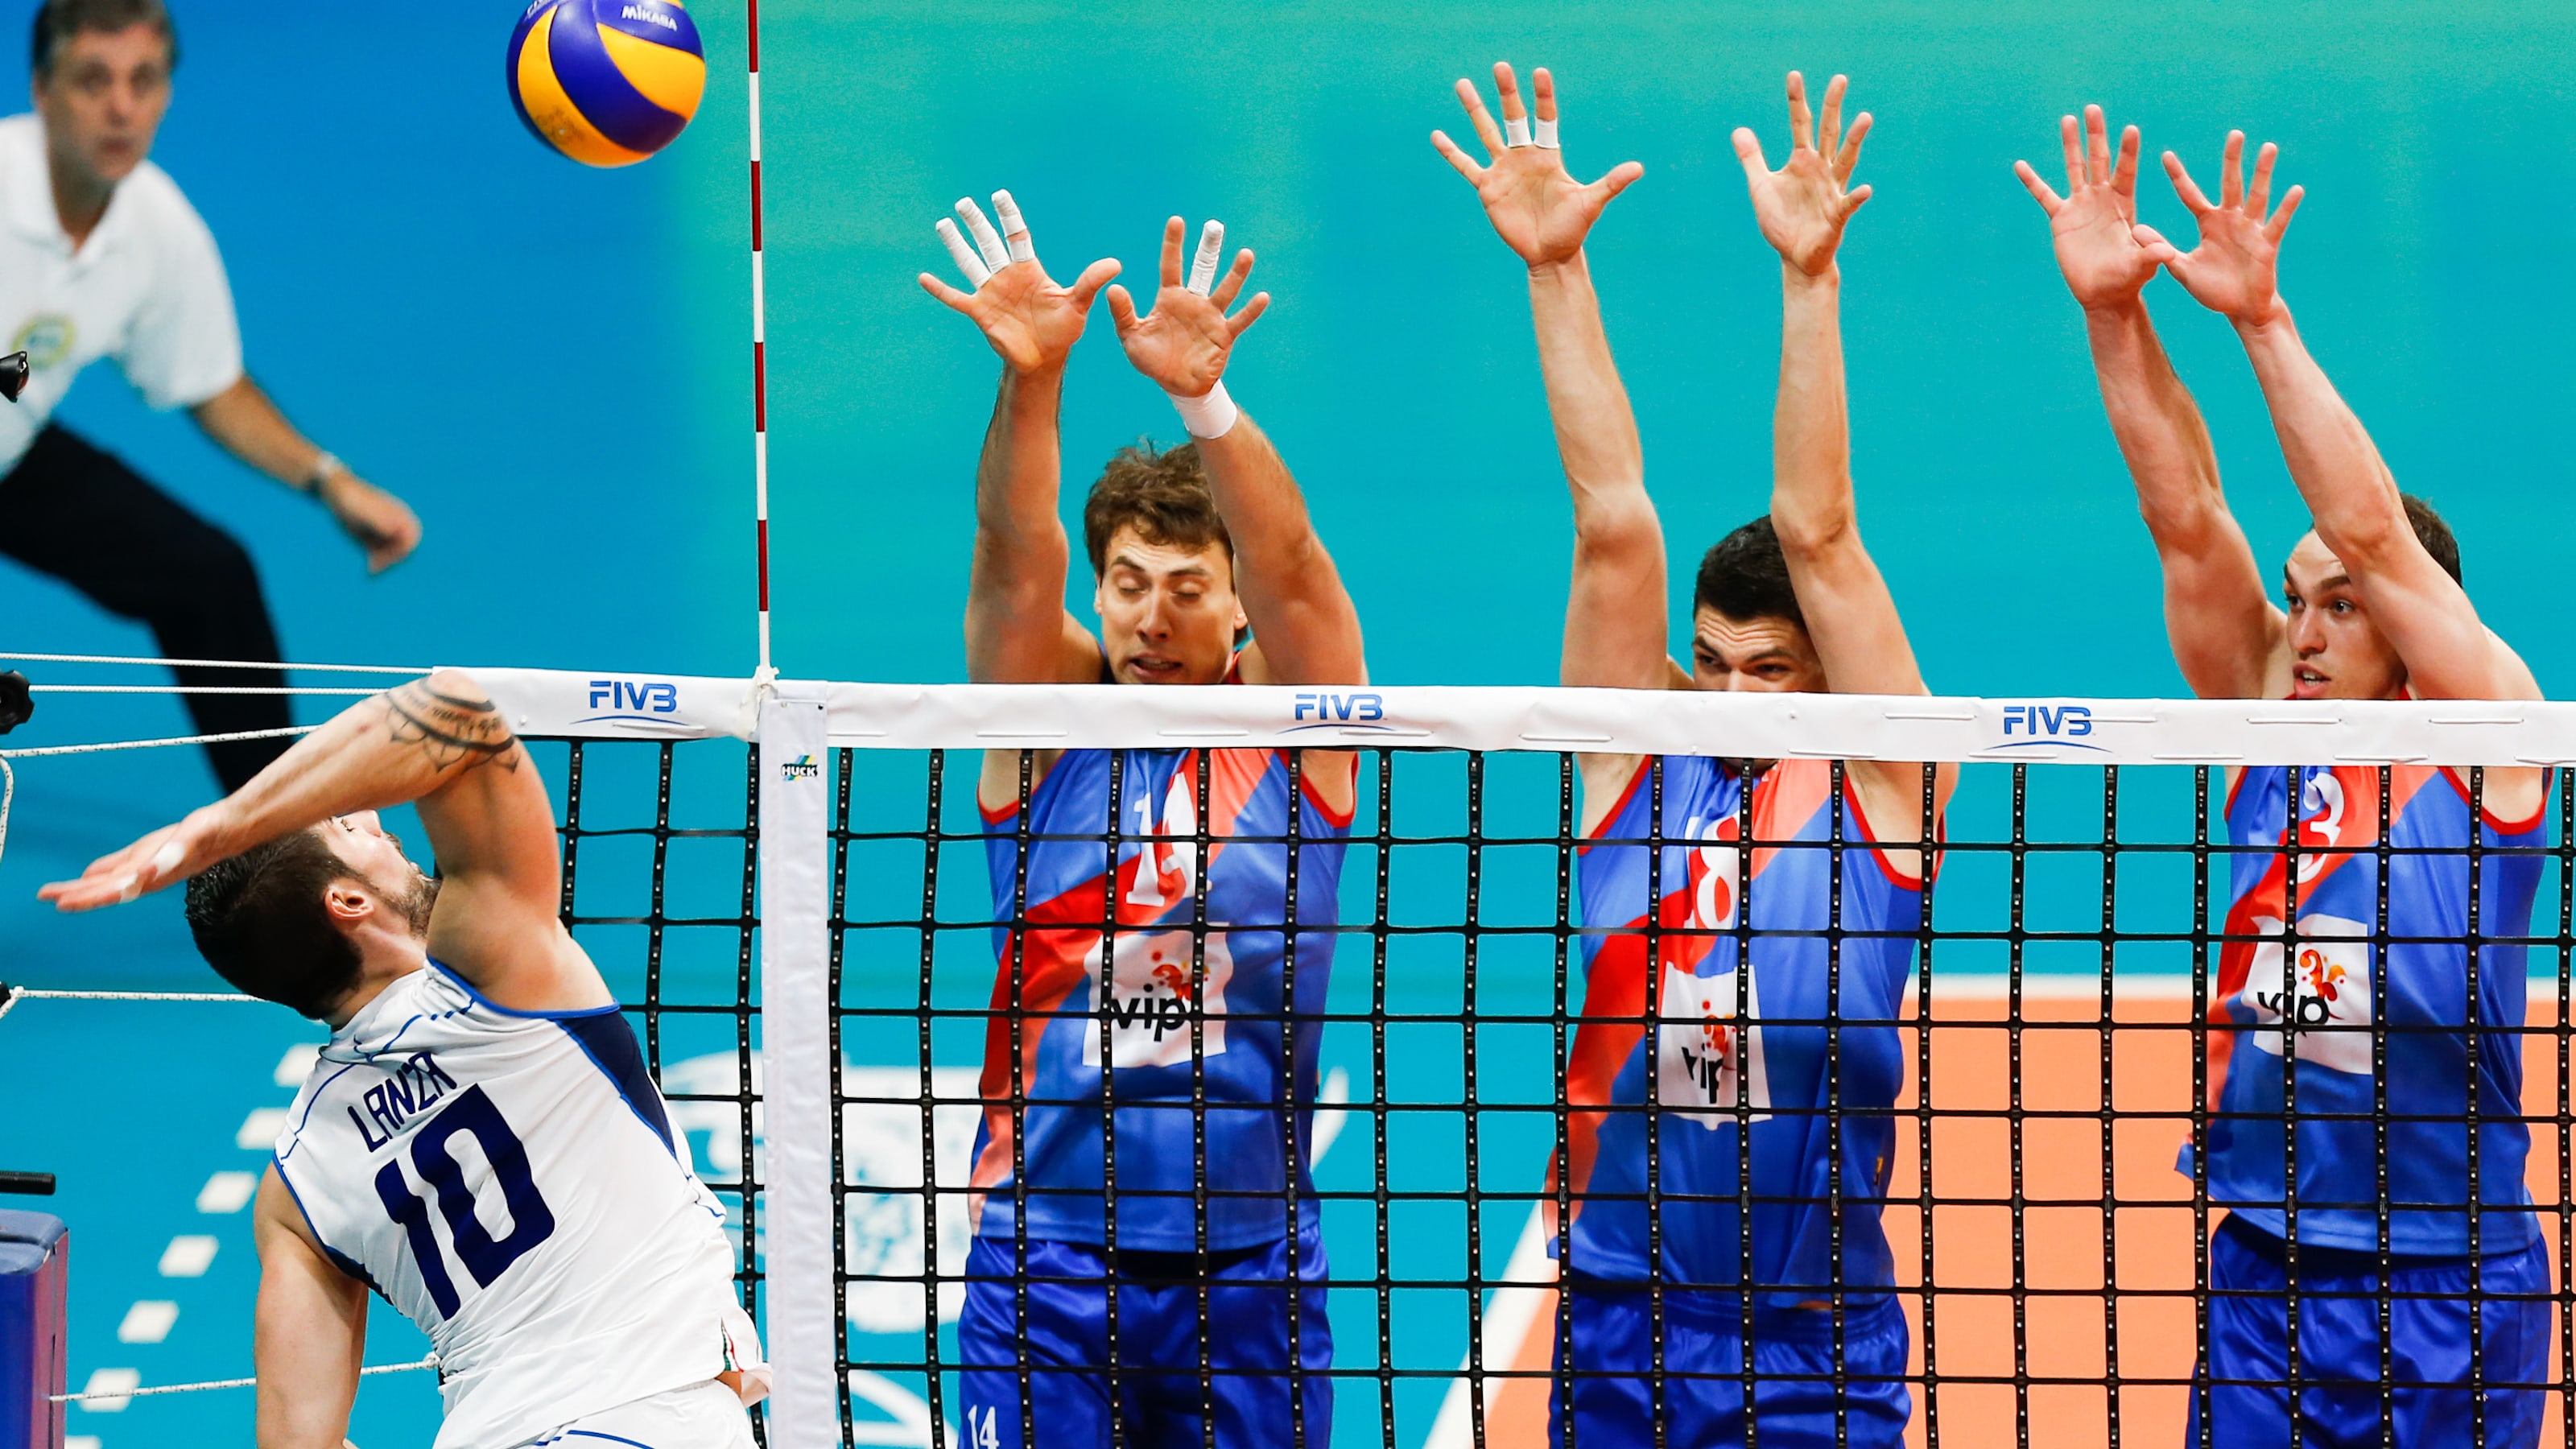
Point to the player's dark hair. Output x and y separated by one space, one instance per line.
1746 576
1162 495
2434 534
260 922
59 20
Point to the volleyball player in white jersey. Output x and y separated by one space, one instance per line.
478 1143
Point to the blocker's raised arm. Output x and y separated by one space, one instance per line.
1305 629
1018 630
1614 610
2226 635
1803 209
2353 498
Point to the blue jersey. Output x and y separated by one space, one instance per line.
2409 996
1730 1042
1219 990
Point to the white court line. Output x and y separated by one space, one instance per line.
226 1192
188 1256
259 1130
148 1321
297 1064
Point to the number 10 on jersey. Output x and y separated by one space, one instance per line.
484 1256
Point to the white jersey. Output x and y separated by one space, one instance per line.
510 1181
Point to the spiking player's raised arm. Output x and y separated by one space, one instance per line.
606 1309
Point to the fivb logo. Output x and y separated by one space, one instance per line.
2063 725
633 701
1322 709
2325 995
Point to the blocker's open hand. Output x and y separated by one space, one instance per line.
2094 227
1029 320
1537 207
1183 344
1804 205
2235 271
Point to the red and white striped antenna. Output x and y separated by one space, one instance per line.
759 351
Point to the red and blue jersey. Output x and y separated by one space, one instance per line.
1735 1040
2379 1022
1193 1014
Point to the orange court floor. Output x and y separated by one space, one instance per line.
2059 1351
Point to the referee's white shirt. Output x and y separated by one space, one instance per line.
147 289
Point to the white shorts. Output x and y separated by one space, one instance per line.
702 1416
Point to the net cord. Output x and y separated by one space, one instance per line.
119 1395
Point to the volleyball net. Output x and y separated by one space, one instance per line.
825 941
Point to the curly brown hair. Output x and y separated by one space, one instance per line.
1163 495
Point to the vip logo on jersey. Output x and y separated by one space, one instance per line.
2326 994
1708 1048
1146 1014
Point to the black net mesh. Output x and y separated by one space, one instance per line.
2030 1120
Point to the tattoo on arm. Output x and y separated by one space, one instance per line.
450 729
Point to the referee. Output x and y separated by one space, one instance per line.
101 256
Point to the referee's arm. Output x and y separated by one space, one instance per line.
249 426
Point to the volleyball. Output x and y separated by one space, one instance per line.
606 82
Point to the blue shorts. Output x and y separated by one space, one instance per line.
1703 1390
2341 1395
1064 1377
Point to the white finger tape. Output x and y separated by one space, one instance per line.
1203 266
967 262
167 858
1015 232
1546 137
1211 416
987 240
1516 131
128 886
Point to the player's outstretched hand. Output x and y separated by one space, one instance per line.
1804 205
1537 207
2235 271
2094 226
1183 344
165 857
1029 320
374 519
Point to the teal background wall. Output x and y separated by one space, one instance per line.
553 365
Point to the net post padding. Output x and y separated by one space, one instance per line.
798 1255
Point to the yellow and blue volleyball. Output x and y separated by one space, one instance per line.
606 82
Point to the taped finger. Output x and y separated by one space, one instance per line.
1211 249
987 241
1544 134
1015 232
967 262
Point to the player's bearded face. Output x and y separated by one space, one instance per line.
1168 614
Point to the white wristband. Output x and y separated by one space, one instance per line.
1211 416
324 466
